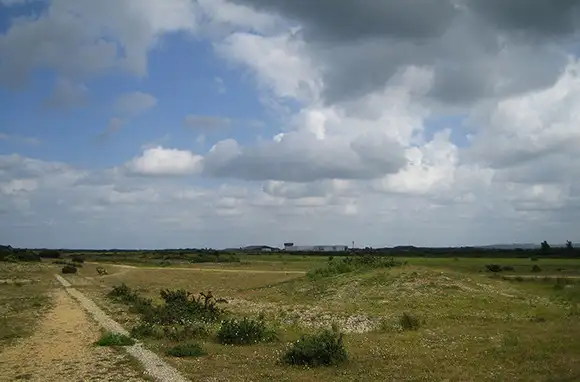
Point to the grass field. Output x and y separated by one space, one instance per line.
24 298
474 325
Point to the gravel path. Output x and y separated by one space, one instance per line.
61 349
153 365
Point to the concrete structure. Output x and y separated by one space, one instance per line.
290 247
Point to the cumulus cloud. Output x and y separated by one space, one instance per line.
300 157
354 153
474 46
533 126
69 37
159 161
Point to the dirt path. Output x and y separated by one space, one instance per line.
62 349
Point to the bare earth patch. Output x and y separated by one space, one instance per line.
61 349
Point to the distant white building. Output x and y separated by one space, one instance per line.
290 247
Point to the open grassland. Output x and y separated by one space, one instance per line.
473 325
24 298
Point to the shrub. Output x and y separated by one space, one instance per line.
27 256
493 267
145 330
244 332
49 254
182 307
186 350
77 259
507 268
69 269
351 264
536 268
324 348
409 321
122 293
115 339
533 258
11 259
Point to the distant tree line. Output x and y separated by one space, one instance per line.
212 255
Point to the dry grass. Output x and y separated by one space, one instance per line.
22 303
474 327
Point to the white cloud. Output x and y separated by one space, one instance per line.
135 103
83 37
356 154
159 161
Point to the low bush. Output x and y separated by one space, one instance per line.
49 254
409 322
493 268
145 330
180 307
322 349
353 263
536 268
246 331
186 350
77 259
507 268
69 269
205 258
533 258
27 256
115 339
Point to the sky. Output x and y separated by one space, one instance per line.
225 123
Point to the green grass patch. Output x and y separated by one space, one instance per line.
337 266
115 339
186 350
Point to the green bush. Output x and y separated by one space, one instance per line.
145 330
186 350
536 268
77 259
507 268
49 254
180 307
69 269
324 348
26 256
409 322
493 267
351 264
115 339
244 332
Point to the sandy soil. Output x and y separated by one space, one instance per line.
62 349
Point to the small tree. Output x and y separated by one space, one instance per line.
569 245
545 246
